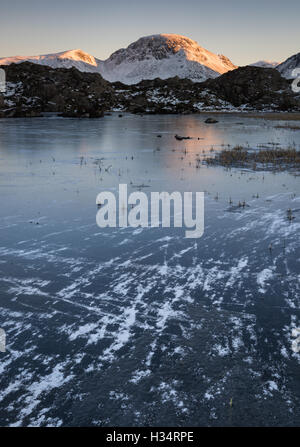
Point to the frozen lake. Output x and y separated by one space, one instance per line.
121 327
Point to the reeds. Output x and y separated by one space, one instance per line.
277 159
288 126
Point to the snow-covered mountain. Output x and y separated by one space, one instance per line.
157 56
66 59
164 56
265 64
287 67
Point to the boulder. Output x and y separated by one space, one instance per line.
211 121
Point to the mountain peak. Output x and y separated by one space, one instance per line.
161 46
164 56
77 55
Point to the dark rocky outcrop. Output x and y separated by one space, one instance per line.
34 89
258 87
252 87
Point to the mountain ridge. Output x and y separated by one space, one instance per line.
157 55
65 59
265 64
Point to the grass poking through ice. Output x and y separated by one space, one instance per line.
267 159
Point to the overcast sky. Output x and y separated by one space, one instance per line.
245 31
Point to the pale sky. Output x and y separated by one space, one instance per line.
244 31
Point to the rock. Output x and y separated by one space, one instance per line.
179 138
211 121
255 86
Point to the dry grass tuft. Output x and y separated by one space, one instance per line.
264 159
288 127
